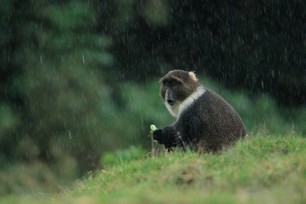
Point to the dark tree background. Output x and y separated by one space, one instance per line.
254 44
70 70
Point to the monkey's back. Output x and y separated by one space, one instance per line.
210 123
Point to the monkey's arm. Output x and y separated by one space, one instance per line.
167 136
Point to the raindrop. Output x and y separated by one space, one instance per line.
262 84
41 59
83 59
69 134
141 118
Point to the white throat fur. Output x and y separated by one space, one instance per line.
177 109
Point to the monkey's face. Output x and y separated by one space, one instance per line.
175 87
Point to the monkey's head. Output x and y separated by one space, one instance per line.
175 87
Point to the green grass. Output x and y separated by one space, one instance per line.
260 169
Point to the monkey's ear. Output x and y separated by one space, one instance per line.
193 76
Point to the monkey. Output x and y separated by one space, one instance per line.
205 122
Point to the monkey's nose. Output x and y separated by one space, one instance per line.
171 102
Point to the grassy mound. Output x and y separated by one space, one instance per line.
260 169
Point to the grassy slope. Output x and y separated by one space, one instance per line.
258 170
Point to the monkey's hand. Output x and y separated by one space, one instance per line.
167 136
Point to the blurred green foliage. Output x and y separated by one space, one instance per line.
79 78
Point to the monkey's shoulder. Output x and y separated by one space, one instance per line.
207 99
209 105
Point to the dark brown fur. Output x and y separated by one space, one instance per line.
207 123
